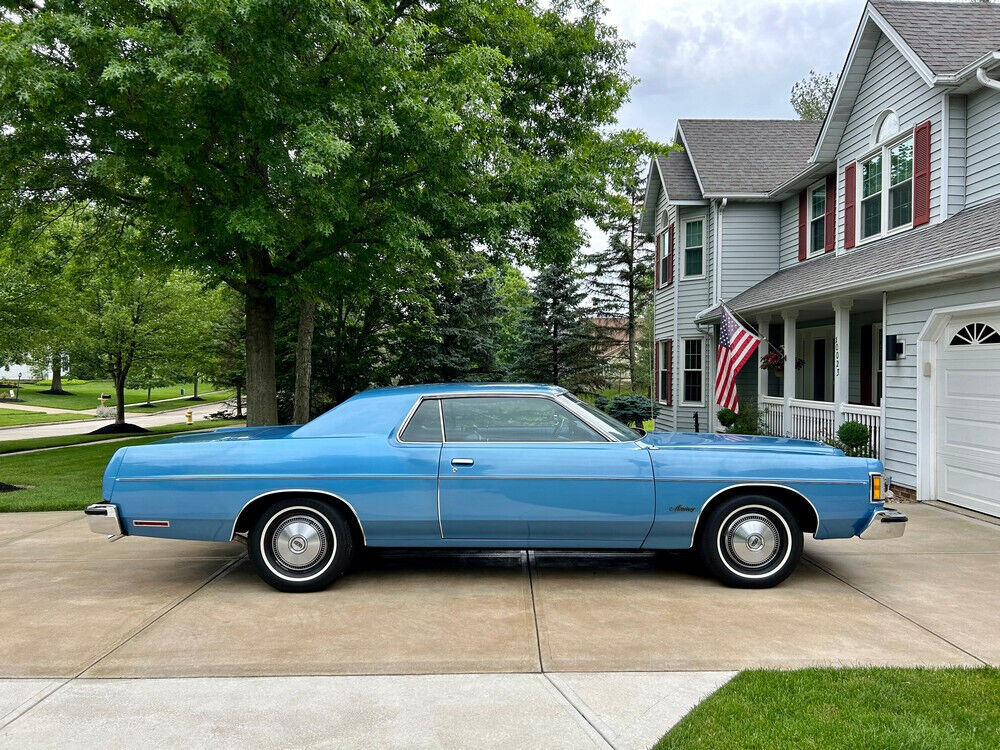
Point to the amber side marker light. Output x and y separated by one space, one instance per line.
876 488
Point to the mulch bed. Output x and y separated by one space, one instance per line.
119 429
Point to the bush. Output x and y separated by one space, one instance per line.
630 408
727 417
853 438
749 420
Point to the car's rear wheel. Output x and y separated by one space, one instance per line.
750 541
300 544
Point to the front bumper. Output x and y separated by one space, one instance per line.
885 524
103 519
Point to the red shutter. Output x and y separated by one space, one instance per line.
922 174
670 255
656 370
830 221
659 254
670 372
803 225
850 198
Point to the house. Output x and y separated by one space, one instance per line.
865 247
613 348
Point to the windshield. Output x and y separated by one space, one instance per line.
620 432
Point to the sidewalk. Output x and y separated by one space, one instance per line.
84 413
50 429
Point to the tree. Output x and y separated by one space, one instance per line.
226 363
514 293
265 137
559 343
811 96
621 283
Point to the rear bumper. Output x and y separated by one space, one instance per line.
103 519
885 524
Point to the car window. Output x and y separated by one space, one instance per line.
425 424
618 431
484 419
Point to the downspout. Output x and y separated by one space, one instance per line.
717 281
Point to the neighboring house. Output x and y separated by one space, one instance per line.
867 246
614 348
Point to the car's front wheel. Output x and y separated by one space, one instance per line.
300 544
751 541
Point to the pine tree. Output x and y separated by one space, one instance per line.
559 343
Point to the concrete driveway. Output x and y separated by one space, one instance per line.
520 649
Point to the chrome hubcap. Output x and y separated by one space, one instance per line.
752 540
298 542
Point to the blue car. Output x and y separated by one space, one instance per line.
490 465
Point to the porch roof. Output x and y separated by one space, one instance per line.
965 238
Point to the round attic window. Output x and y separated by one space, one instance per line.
888 126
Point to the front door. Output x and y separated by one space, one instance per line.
526 470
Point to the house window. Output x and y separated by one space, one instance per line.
666 258
817 219
888 126
886 190
694 248
663 375
975 334
693 371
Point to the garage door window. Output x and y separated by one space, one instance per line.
976 334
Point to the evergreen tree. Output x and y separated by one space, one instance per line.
559 343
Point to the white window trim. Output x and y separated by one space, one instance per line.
682 260
877 360
883 150
685 370
810 253
662 354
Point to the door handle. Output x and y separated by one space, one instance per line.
462 462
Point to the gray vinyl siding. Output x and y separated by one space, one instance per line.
890 82
663 307
983 146
906 313
956 153
788 241
750 235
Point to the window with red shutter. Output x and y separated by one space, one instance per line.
670 255
669 386
830 229
922 174
850 200
656 370
803 224
659 253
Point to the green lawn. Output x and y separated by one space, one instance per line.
915 709
205 397
13 417
85 394
69 478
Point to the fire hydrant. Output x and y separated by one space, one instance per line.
190 416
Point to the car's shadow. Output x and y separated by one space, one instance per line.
385 559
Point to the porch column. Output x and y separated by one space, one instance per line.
763 321
841 357
788 381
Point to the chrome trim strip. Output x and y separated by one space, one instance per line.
275 477
364 538
547 477
762 483
151 524
704 505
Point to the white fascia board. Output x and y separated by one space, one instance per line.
679 138
649 211
689 203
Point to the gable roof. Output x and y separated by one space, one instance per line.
943 41
746 157
947 36
678 177
969 233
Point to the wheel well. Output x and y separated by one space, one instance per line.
796 503
253 510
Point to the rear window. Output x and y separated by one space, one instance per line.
425 424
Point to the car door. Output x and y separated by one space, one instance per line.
526 470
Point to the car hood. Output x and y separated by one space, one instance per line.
737 442
234 433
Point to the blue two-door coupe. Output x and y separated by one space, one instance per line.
490 465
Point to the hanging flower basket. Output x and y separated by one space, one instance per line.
774 361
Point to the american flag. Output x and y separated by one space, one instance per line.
736 346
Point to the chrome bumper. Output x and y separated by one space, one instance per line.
885 524
103 519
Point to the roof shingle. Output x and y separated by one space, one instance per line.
970 231
747 157
948 36
678 176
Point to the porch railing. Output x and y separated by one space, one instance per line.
773 413
812 420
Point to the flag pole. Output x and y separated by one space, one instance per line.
744 322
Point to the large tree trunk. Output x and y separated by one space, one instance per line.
303 360
262 404
119 381
56 372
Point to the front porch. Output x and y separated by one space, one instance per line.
837 347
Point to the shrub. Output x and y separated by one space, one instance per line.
727 417
852 438
749 420
630 408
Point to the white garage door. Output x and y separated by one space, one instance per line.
968 415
